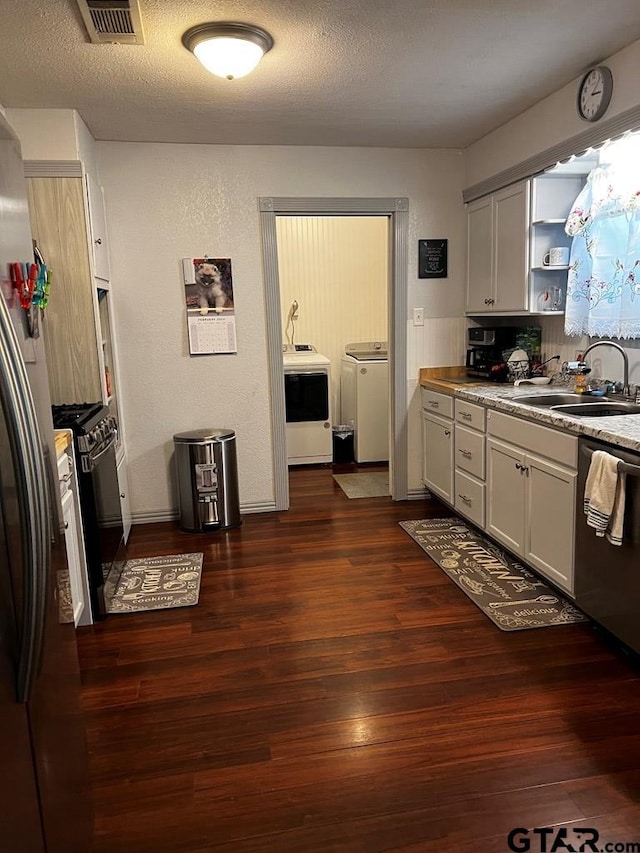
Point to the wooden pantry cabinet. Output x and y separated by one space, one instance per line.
67 222
68 225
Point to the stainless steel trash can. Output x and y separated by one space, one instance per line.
207 472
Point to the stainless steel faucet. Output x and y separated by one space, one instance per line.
626 390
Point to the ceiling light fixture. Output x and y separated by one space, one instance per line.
228 49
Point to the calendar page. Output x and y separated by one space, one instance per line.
211 333
211 322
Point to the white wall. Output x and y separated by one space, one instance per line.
551 121
166 202
54 135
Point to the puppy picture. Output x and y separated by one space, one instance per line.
213 284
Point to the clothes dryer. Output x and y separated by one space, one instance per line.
364 398
307 394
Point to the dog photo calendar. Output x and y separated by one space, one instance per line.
211 321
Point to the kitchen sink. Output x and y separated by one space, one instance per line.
599 410
548 400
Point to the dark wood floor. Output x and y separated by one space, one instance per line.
334 691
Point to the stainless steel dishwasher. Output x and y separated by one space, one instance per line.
607 577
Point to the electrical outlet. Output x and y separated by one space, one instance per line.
418 316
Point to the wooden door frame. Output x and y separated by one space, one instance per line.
397 210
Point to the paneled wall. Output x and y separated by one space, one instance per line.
337 269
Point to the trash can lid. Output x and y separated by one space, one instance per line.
198 436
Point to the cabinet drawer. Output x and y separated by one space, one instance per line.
469 453
470 415
469 498
440 404
535 438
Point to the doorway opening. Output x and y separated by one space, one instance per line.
394 213
334 284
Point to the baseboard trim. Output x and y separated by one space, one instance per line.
419 495
158 515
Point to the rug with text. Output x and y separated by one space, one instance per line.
155 583
507 592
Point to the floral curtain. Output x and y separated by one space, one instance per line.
603 288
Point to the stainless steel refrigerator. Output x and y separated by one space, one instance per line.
44 798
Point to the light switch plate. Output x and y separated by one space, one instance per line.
418 316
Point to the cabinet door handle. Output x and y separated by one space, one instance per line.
447 432
122 495
98 240
487 302
465 453
523 468
464 498
466 415
66 525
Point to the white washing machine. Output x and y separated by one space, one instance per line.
364 398
307 395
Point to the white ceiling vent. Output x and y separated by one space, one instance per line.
112 21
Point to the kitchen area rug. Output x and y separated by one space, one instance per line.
364 484
155 583
505 590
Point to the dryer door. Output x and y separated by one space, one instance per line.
306 397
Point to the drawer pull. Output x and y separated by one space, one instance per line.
465 453
433 403
466 415
465 499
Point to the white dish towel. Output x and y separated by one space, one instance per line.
604 496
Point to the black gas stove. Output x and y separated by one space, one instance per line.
91 423
80 417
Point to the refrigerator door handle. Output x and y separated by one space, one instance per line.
31 484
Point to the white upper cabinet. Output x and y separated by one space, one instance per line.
480 254
98 226
498 257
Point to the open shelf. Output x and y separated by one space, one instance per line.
548 268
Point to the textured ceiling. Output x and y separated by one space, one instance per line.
390 73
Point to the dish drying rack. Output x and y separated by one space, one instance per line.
521 368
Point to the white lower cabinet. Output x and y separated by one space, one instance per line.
505 516
551 517
470 497
437 459
125 503
531 497
470 467
74 557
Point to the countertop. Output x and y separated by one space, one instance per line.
620 430
63 438
447 379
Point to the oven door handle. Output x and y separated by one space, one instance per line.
89 462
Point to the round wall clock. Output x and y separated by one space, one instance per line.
594 93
